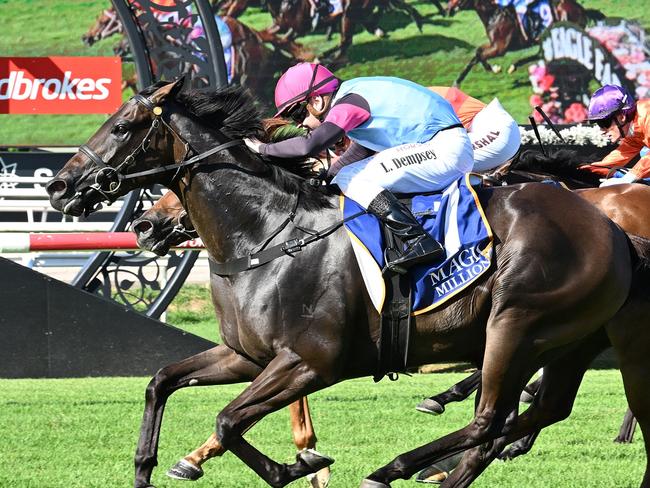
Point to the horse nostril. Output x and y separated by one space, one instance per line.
56 186
142 227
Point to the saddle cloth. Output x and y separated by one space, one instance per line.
454 218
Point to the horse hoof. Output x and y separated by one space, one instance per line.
512 69
368 483
321 479
314 459
379 33
432 475
430 406
185 470
496 69
526 397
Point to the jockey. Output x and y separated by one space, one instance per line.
405 139
493 132
521 8
622 119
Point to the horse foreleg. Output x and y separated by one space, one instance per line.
284 380
626 433
219 365
305 438
468 68
336 55
441 11
413 13
517 64
460 391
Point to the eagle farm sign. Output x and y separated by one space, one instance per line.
564 42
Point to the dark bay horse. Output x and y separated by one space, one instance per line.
160 228
503 31
252 60
561 271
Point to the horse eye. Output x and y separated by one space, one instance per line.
120 130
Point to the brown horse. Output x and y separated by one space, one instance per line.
294 18
503 31
625 205
561 271
163 226
253 61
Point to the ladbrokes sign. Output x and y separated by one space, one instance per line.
60 85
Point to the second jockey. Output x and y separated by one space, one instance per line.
405 138
624 120
493 132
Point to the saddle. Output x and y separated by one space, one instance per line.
452 217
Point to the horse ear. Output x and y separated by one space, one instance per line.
168 91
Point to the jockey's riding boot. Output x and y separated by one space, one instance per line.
420 246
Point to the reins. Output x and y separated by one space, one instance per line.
115 178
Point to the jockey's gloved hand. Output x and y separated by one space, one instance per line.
599 170
628 178
253 144
321 178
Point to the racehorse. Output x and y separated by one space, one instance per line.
160 228
251 57
543 296
294 18
625 205
503 32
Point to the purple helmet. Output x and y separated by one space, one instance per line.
608 100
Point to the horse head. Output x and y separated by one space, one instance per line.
165 225
106 25
137 137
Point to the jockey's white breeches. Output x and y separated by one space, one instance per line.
495 137
410 168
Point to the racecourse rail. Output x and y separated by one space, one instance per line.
24 242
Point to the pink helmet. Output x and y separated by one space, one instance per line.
300 82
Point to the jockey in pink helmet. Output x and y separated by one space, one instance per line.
404 138
627 121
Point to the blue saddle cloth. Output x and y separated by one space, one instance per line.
454 218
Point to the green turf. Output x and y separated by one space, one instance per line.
82 433
433 57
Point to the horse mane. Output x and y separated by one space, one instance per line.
233 112
562 163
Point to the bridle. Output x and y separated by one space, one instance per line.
114 177
109 179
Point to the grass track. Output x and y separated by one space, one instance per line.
82 433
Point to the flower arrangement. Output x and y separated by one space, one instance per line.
627 43
625 40
577 135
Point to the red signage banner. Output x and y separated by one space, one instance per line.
60 85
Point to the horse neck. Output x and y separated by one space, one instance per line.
234 203
485 10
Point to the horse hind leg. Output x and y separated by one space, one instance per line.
626 433
435 405
506 367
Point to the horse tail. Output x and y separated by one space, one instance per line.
640 248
